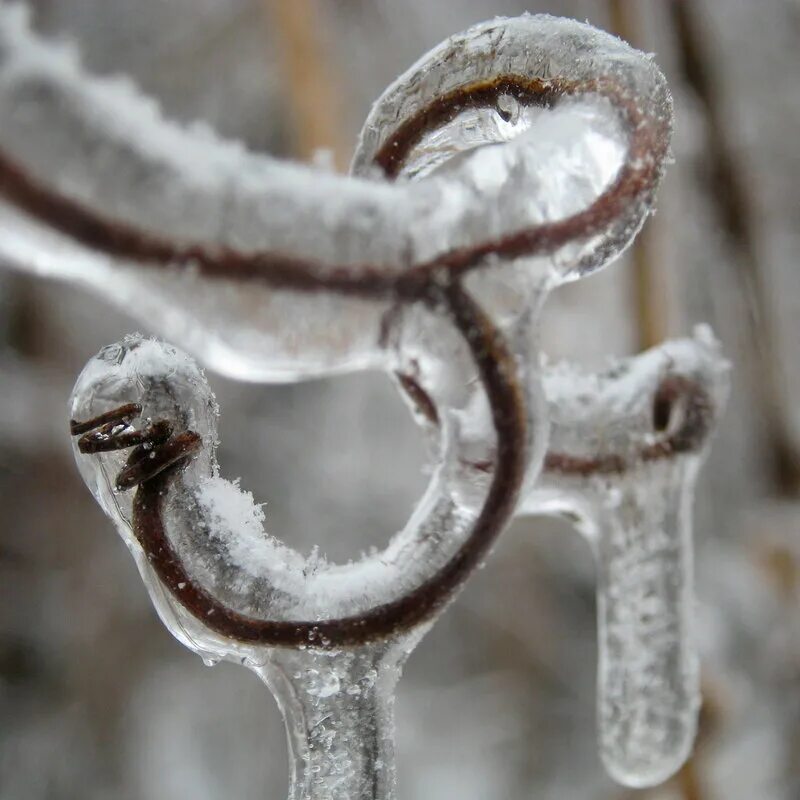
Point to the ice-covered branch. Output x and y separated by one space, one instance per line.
625 450
100 189
513 157
196 532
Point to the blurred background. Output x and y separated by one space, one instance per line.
97 700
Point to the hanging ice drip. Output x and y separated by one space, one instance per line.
516 156
625 449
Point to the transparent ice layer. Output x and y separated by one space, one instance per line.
625 449
518 155
99 146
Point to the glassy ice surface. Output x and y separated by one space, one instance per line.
339 709
637 515
482 175
102 145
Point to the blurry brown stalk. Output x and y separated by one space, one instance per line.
312 90
649 298
649 306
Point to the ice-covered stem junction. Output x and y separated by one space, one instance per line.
515 156
224 251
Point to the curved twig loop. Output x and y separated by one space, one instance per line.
195 210
385 245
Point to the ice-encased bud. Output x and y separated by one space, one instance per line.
626 447
166 383
169 386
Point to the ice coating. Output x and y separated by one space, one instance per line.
215 529
557 61
339 709
96 183
625 450
515 156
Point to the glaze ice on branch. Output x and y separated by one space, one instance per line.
92 172
516 156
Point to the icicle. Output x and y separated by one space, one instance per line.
648 675
625 451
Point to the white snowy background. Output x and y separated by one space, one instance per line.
97 701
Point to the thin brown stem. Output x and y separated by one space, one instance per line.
498 375
635 183
312 90
648 295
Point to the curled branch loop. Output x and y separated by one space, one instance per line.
390 259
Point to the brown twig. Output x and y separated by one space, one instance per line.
152 475
648 295
635 183
695 418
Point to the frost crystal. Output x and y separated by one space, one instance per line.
516 156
